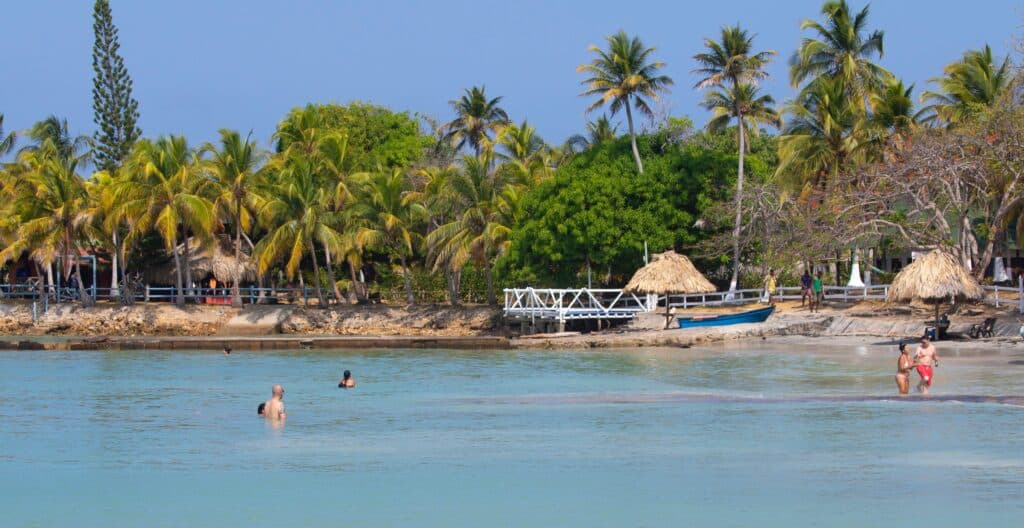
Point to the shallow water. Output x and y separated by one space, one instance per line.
728 436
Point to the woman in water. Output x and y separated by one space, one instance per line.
903 366
346 381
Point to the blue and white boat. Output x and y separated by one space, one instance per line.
752 316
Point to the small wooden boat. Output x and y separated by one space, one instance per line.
752 316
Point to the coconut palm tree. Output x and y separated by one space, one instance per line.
743 103
477 120
6 142
733 68
234 168
167 192
476 232
55 130
435 196
600 131
826 134
841 49
389 213
971 84
892 115
623 76
523 154
298 212
50 199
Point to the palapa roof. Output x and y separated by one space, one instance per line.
216 258
934 278
669 272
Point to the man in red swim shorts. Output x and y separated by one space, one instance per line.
924 359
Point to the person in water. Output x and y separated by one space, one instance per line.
903 366
259 410
346 381
227 350
924 360
273 409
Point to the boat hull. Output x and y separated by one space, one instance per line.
752 316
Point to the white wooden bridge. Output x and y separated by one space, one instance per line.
553 307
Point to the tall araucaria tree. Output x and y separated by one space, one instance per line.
624 76
115 111
734 68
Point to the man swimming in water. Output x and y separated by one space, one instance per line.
273 409
346 381
924 359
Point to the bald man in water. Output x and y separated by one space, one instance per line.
273 409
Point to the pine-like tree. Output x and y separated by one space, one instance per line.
114 110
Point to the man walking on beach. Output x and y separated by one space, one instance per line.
273 409
816 293
770 284
925 358
805 289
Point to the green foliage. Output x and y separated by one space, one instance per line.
599 210
115 111
377 136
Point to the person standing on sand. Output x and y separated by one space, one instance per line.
903 366
273 409
925 358
816 293
805 289
770 283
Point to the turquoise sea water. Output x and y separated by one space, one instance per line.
740 436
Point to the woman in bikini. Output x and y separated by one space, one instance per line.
903 366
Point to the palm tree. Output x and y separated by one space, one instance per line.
623 76
6 142
825 135
523 153
299 213
167 192
843 49
435 196
50 197
476 232
600 131
743 103
477 119
892 115
55 130
389 213
735 69
971 84
234 169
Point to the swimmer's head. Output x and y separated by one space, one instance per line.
278 391
346 375
259 410
925 340
903 348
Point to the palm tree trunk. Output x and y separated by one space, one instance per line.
236 292
409 298
316 275
357 286
739 211
632 138
188 266
492 299
330 272
452 277
82 293
179 297
114 290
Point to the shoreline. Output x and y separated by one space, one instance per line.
167 327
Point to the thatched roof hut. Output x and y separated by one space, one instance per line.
934 278
216 258
669 272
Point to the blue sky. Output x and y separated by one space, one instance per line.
201 65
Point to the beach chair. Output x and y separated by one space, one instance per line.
984 329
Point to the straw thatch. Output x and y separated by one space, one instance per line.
934 278
216 258
669 272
